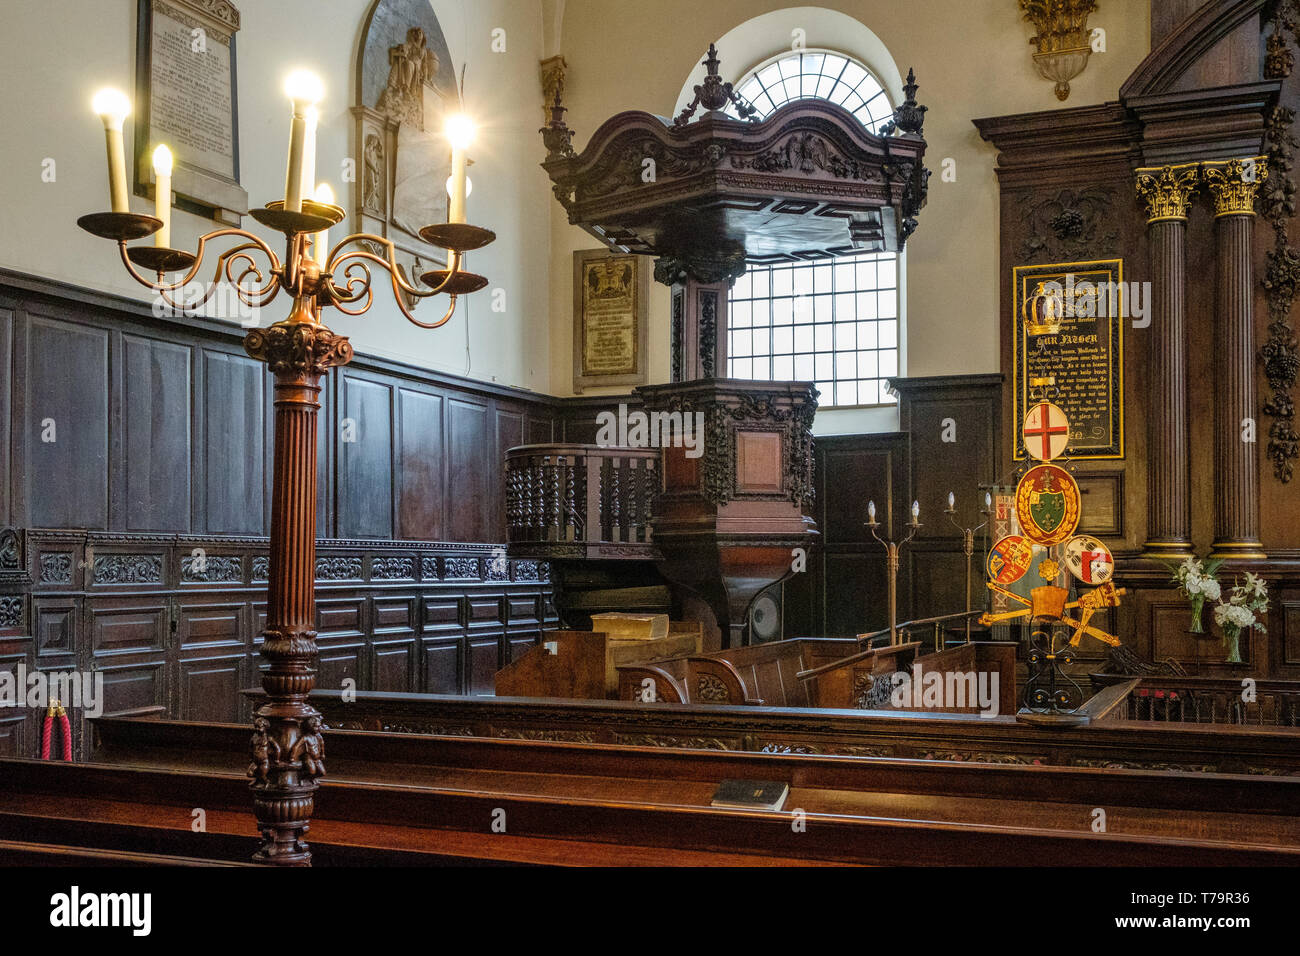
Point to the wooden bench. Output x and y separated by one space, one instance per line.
865 681
583 664
761 675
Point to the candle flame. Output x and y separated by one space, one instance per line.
304 88
112 106
324 194
162 161
459 129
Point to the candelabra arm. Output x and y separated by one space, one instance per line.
265 289
357 278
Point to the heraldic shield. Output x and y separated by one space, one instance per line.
1047 504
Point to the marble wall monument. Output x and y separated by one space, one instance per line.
406 86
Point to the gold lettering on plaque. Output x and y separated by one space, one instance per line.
609 316
1079 363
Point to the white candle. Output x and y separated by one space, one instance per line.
320 242
460 132
952 501
311 118
871 511
916 509
303 89
113 107
162 199
988 501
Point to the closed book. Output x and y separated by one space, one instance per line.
751 794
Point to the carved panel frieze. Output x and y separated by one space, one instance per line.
56 568
11 611
462 569
392 568
710 690
1066 225
128 569
211 568
262 568
340 568
429 568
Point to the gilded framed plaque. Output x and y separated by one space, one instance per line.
187 97
611 295
1069 350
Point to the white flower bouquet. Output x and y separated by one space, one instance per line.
1195 579
1240 612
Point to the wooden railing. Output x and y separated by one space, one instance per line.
580 501
1209 700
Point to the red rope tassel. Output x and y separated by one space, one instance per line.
56 710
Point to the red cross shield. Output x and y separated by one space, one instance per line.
1047 432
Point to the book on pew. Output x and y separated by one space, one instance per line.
639 627
751 795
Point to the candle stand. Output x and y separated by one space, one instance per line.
287 746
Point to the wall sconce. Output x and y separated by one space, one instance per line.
1063 40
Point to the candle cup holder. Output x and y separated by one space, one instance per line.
314 217
457 236
120 226
458 282
160 260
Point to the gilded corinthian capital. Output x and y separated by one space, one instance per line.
1167 190
1234 184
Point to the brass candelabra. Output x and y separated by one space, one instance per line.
287 745
968 541
891 551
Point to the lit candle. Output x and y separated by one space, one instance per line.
952 501
311 118
113 107
303 89
320 242
916 510
988 501
460 132
871 511
162 198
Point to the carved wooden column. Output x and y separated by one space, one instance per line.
1233 184
287 746
700 288
1167 193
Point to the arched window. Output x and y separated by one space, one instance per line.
832 321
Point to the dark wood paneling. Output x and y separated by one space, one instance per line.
67 400
233 453
157 388
7 377
421 466
470 464
365 492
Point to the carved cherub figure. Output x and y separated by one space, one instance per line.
265 749
310 748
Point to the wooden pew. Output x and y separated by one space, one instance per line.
760 675
406 798
583 664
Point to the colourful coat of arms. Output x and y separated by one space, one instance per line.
1047 504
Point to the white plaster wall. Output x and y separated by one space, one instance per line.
56 53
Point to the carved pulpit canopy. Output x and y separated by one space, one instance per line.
709 194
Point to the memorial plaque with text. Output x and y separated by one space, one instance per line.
186 98
610 302
1071 352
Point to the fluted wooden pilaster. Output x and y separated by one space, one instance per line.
1236 469
1167 192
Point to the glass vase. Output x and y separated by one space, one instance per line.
1232 645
